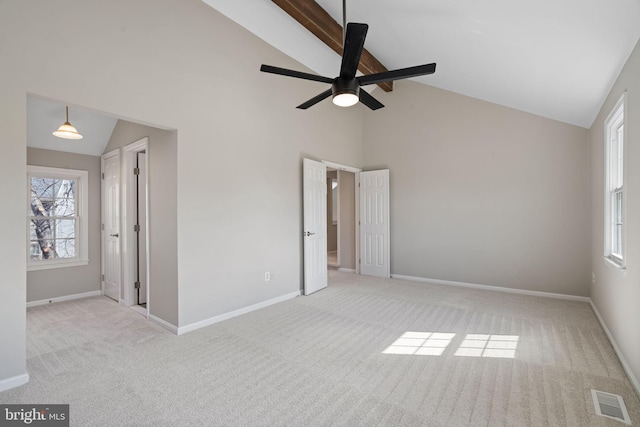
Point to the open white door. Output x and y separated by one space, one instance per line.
111 278
374 223
314 185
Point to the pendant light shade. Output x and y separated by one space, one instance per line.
66 130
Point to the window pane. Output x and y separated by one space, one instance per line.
32 231
41 207
65 198
616 218
45 249
43 228
620 148
42 187
65 248
65 229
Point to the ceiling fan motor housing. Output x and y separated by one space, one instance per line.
342 85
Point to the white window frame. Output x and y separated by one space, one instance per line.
614 128
82 209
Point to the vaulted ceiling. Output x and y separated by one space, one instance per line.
553 58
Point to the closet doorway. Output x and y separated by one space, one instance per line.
341 218
136 218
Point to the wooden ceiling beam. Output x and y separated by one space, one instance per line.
315 19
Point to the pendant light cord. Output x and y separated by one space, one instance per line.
67 107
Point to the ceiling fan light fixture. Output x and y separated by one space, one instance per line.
345 99
345 92
66 130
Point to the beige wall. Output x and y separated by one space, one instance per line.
58 282
616 293
173 64
163 208
482 193
347 194
13 263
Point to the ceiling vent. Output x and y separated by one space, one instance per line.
610 406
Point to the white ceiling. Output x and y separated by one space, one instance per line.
44 116
554 58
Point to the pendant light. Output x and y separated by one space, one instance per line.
66 130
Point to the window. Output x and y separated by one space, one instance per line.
56 218
614 197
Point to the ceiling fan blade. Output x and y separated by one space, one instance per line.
402 73
353 45
293 73
313 101
369 100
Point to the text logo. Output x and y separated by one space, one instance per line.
34 415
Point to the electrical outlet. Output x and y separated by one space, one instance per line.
593 278
267 276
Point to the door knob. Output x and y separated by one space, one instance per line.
115 235
308 233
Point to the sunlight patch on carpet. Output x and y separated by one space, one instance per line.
473 345
421 343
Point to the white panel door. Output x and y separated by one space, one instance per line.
315 225
111 225
374 223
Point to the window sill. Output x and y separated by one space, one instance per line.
46 265
616 265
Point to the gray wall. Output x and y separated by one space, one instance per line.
346 182
163 208
481 193
616 293
58 282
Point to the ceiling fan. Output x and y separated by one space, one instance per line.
345 88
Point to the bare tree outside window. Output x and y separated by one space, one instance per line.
53 218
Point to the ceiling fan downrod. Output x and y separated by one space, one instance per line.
344 22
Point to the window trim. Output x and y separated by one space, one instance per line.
611 125
82 206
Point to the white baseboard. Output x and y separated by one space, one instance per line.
64 298
623 361
13 382
164 324
493 288
235 313
346 270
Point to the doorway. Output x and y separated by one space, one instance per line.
341 220
371 218
135 225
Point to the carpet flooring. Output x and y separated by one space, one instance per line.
363 352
